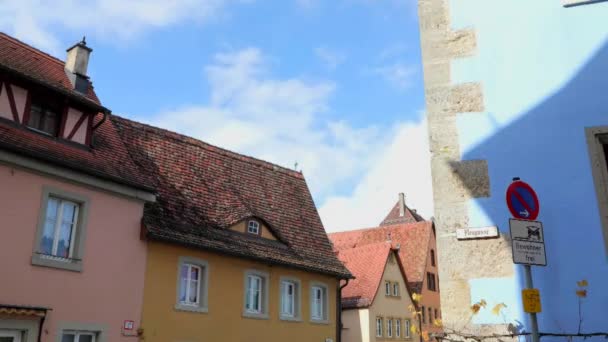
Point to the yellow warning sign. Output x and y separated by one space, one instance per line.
531 299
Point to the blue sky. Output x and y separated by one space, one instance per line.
335 86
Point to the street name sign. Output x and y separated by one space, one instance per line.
522 200
477 233
528 242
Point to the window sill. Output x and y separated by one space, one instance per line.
316 321
55 262
190 308
290 319
255 315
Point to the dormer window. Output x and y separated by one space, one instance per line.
253 227
43 119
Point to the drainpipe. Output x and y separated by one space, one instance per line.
339 310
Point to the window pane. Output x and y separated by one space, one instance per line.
35 115
50 123
193 296
65 236
48 232
183 283
256 300
85 338
398 328
194 273
68 338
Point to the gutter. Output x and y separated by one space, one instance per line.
339 310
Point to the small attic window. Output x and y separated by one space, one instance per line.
253 227
43 119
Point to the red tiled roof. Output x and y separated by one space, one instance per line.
108 159
393 217
35 65
203 190
413 239
367 264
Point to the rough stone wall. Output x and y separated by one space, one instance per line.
455 181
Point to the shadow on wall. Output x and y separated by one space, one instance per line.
547 148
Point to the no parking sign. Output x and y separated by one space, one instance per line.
522 201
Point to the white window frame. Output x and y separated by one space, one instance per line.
408 327
262 302
596 138
387 288
99 331
203 285
78 234
77 334
323 304
251 292
189 280
396 289
296 313
379 326
389 328
397 327
59 221
253 227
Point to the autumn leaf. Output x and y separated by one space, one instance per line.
416 297
475 308
581 293
582 283
483 303
438 323
425 336
414 329
496 309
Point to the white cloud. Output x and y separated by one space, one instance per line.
329 57
279 120
36 21
398 74
404 166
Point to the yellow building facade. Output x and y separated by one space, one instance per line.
224 318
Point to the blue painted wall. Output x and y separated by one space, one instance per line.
544 72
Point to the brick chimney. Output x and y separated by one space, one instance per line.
76 65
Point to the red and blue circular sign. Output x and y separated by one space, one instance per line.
522 200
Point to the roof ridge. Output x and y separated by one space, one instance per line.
32 48
379 227
210 147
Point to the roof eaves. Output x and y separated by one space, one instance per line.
75 166
162 238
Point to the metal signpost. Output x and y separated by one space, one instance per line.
528 243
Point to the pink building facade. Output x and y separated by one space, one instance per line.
71 203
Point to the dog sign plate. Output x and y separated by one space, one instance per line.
528 242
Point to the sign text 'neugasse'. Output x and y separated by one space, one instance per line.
477 233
